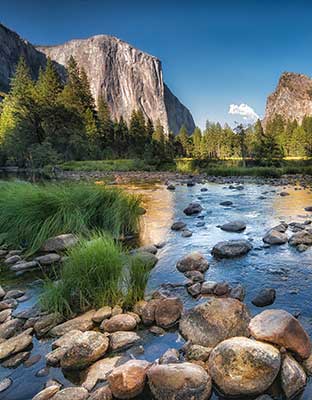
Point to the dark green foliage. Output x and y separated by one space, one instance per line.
30 214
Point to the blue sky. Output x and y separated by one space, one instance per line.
214 53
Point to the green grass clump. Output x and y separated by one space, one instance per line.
30 214
96 273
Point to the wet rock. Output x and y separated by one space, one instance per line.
9 303
190 183
179 382
87 348
238 292
302 247
208 287
16 360
186 233
102 313
293 377
2 292
197 353
60 347
178 226
10 328
5 384
195 276
15 344
147 249
45 323
231 248
283 194
123 340
67 339
226 203
240 366
168 312
42 372
14 294
12 260
264 298
157 330
193 262
99 371
128 380
204 189
218 319
264 397
309 208
221 289
171 356
281 328
192 209
47 393
302 237
59 243
275 237
48 259
171 187
234 226
148 312
138 307
83 323
71 393
121 322
200 224
282 227
102 393
5 315
32 360
194 290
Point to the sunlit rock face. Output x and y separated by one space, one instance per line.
292 98
128 79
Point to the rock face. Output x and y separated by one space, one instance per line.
128 78
292 98
281 328
241 366
179 382
216 320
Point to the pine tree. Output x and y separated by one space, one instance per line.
183 139
106 126
48 86
137 132
197 138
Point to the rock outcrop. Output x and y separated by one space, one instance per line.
128 79
292 99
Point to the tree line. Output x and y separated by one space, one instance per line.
47 121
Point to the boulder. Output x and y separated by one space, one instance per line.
128 380
102 393
168 312
10 328
67 339
208 287
178 226
99 371
192 209
122 340
59 243
231 248
47 393
234 226
87 348
45 323
293 377
179 381
102 313
48 259
238 292
83 323
195 289
71 393
121 322
275 237
171 187
193 262
15 344
147 259
281 328
218 319
302 237
264 298
282 227
195 276
240 366
221 289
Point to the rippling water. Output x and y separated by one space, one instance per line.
280 267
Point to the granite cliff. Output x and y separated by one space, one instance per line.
292 98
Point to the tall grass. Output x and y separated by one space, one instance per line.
96 273
30 214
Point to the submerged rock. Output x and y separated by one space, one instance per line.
59 243
226 203
231 248
186 233
128 380
193 262
264 298
281 328
293 377
192 209
180 381
218 319
240 366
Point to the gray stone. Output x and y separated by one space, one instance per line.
302 237
15 360
178 226
231 248
102 313
47 393
293 377
15 344
14 294
234 226
59 243
123 340
264 298
192 209
2 292
193 262
12 260
238 292
121 322
275 237
194 290
171 356
5 384
48 259
24 266
71 393
45 323
208 287
10 328
186 233
83 323
226 203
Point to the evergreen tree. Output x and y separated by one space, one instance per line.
197 138
48 86
106 126
183 139
137 133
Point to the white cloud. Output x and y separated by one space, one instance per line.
247 112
